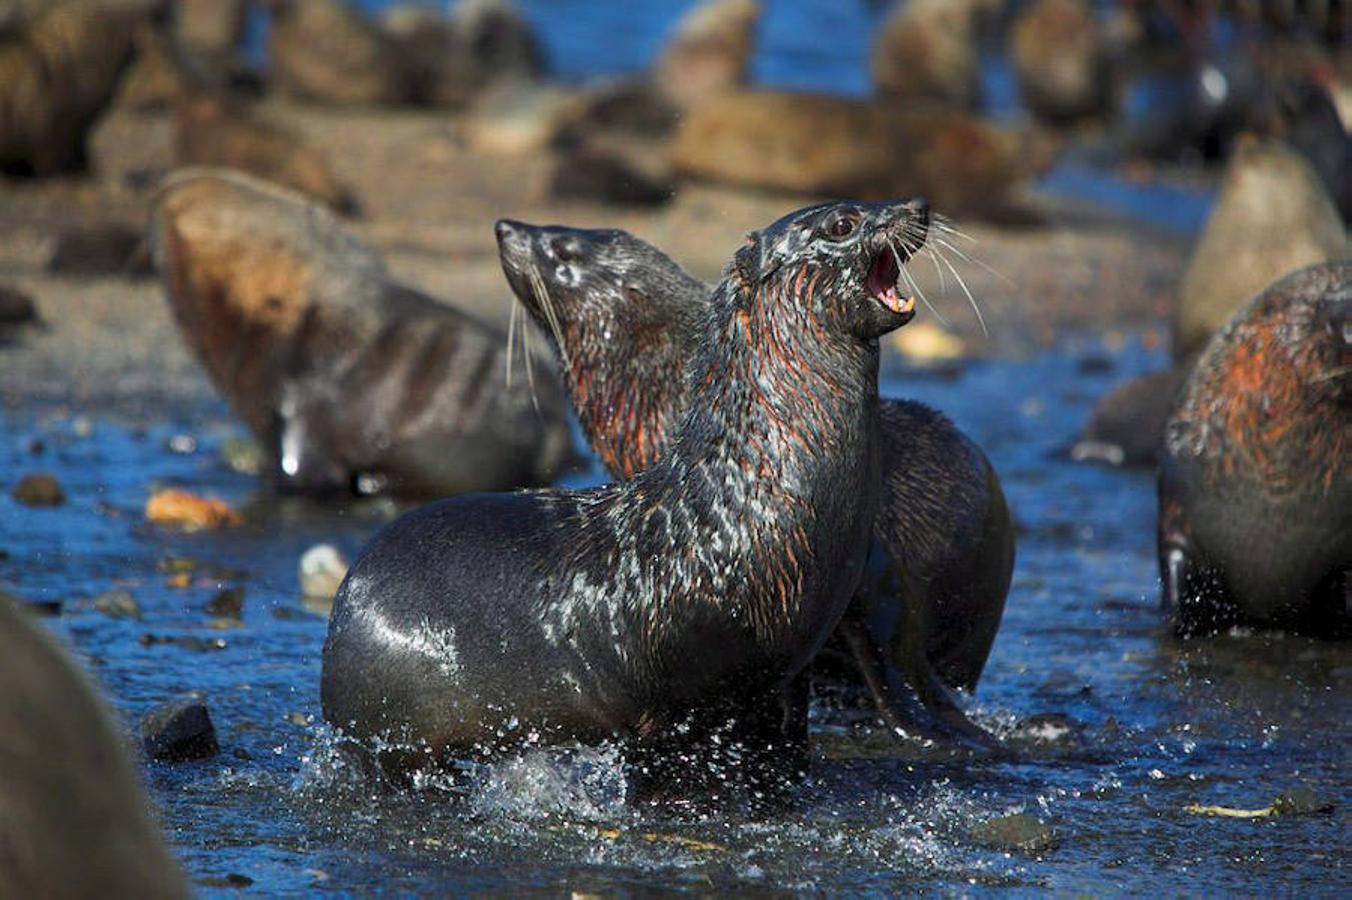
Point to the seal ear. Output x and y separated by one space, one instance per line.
746 263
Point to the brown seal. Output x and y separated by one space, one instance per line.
74 818
627 317
676 609
347 378
1256 485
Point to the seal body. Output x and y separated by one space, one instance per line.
674 607
74 818
1255 488
348 379
625 316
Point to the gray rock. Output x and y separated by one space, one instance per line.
118 605
1300 802
179 729
1016 832
228 604
321 571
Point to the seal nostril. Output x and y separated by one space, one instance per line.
504 229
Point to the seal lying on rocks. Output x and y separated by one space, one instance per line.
674 609
1255 490
627 317
348 379
74 819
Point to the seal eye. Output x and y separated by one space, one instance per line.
840 225
564 249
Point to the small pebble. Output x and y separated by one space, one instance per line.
181 509
179 729
39 489
243 456
187 642
1300 802
1016 832
182 444
118 605
321 570
228 604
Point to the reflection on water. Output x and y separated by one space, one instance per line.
1119 726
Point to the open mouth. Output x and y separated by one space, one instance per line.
883 276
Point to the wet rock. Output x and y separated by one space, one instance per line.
39 489
56 78
92 251
926 51
1126 427
187 642
16 307
181 444
1272 216
1302 801
179 729
1059 57
321 569
117 605
1015 832
709 52
227 604
231 880
181 509
211 131
326 51
243 456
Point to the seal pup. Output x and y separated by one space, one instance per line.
349 380
676 609
626 317
1255 489
74 818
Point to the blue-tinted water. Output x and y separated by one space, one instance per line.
1154 725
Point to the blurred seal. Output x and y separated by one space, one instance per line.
1256 485
348 379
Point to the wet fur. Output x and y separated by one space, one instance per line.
1256 485
944 537
667 609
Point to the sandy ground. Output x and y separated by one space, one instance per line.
429 203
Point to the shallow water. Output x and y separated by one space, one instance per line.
1133 725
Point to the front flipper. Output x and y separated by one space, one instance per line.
915 704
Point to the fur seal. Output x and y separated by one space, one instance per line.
1255 490
348 379
74 818
675 609
627 317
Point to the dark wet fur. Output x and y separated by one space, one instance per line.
943 547
671 609
1256 486
363 384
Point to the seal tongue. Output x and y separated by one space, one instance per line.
882 284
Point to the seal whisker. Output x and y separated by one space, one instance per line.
551 315
526 352
945 224
943 281
970 299
511 337
976 262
